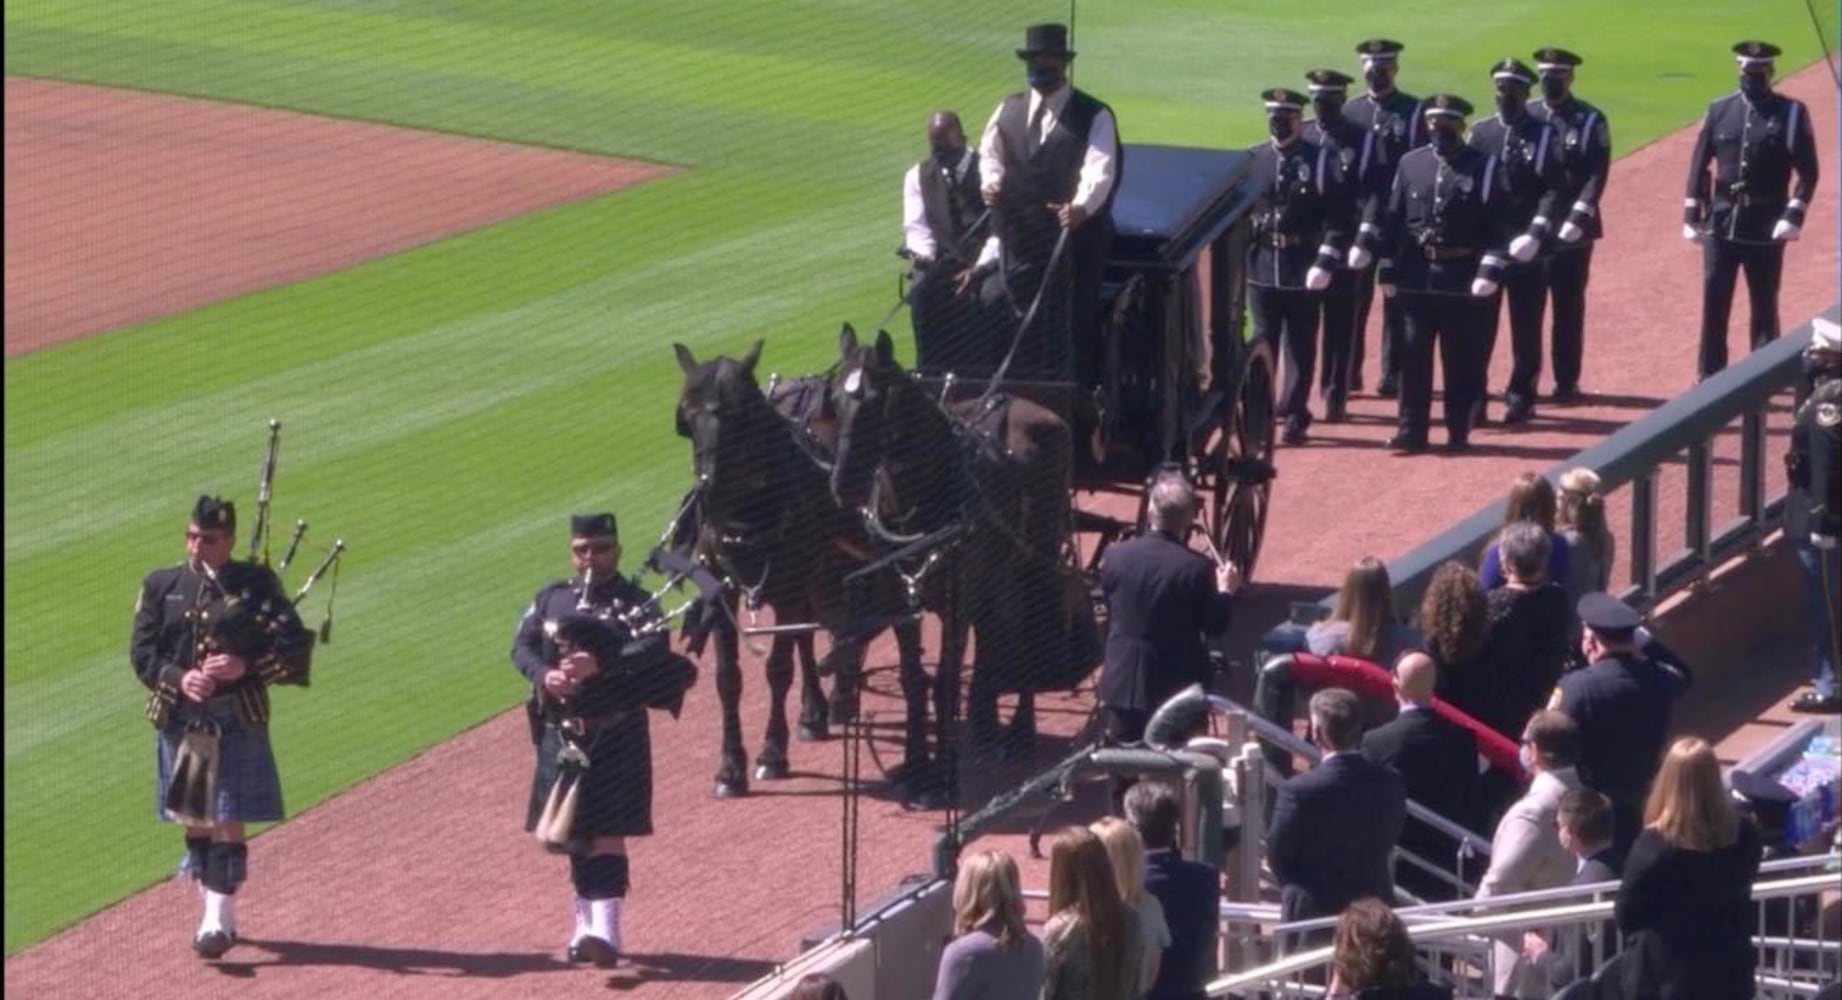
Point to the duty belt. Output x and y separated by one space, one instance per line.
589 725
1446 251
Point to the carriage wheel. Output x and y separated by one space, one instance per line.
1242 461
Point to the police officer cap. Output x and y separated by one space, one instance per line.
1379 50
1281 99
1755 54
214 513
1607 615
1447 105
592 526
1329 81
1556 60
1512 69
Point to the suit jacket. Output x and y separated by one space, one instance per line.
1191 894
1162 600
1687 918
1437 761
1525 855
1334 829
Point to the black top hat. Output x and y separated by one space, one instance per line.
1756 54
593 526
1328 81
1377 49
1607 615
1512 69
214 513
1045 40
1447 105
1550 59
1280 99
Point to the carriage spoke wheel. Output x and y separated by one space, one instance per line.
1242 461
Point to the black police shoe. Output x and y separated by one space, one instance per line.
1411 444
1458 445
1389 387
1336 409
1567 394
591 950
213 944
1294 433
1520 410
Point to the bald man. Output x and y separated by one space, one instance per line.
944 229
1438 761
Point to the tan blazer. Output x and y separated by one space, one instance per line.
1525 855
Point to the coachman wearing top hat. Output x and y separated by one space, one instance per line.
1049 162
211 635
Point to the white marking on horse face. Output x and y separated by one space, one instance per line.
853 383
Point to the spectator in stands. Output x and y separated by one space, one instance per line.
1527 624
1334 827
1590 545
1189 893
1685 904
1453 613
1584 825
1126 851
1091 940
1526 854
1531 498
1373 958
818 986
992 955
1438 763
1363 624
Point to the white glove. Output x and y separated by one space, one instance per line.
1317 279
1786 230
1691 234
1523 248
1571 233
1483 288
1359 258
1387 291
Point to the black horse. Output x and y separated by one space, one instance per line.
766 522
989 482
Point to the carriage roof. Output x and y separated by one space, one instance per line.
1175 200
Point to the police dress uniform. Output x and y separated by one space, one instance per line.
1034 152
1585 140
1813 522
1754 144
1622 704
1440 236
1396 122
944 237
1533 182
1362 161
1303 215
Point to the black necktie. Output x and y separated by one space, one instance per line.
1036 126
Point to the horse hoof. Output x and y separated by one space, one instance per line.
775 770
814 732
730 789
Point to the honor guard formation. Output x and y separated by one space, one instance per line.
1461 215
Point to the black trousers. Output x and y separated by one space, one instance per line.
1569 268
1459 325
1342 337
1393 326
1288 318
1525 289
952 332
1721 262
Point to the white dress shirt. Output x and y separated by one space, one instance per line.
1097 166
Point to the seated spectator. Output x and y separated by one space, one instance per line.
1685 905
1453 613
818 986
1188 892
1438 763
1590 544
1531 498
1526 853
1127 853
1363 624
1527 625
992 955
1334 827
1373 959
1584 825
1091 942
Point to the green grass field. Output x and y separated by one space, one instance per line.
445 408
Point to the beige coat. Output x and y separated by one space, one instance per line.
1525 855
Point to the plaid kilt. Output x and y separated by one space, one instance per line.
248 785
616 795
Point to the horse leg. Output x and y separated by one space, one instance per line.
953 632
919 777
771 763
812 725
846 662
732 773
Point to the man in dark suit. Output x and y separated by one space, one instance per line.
1584 824
1334 827
1437 761
1162 599
1189 891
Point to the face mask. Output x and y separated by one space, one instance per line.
946 156
1044 77
1377 78
1755 86
1553 88
1445 140
1279 128
1328 107
1526 756
1510 104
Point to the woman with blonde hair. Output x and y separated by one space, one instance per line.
1581 522
1685 905
1126 850
1363 624
1087 938
1531 498
991 955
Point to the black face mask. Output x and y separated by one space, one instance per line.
1328 107
1510 104
1554 89
1044 78
1281 129
947 156
1446 139
1378 79
1755 85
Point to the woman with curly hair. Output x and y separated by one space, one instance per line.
1531 498
1373 958
1453 614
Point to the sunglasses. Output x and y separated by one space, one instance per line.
584 548
206 537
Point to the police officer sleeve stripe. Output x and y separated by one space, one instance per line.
1541 146
1490 173
1323 152
1798 204
1584 209
1790 126
1592 117
1368 150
